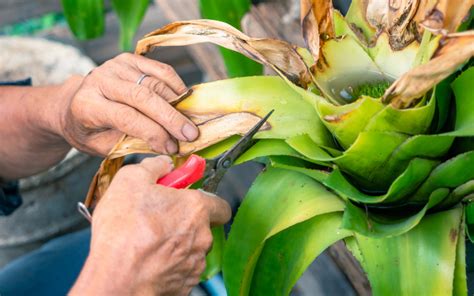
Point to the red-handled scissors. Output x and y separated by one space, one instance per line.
196 168
212 170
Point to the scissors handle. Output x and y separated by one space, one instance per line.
191 171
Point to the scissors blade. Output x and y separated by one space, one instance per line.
217 167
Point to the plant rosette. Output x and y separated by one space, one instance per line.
371 142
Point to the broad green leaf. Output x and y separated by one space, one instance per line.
85 17
411 121
259 95
417 171
366 160
318 175
419 262
277 200
304 145
389 222
214 257
231 12
291 251
356 19
267 147
130 15
460 277
464 95
393 63
347 121
450 174
470 220
443 95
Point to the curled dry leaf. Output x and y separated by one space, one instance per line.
454 50
280 55
213 128
316 24
405 20
443 16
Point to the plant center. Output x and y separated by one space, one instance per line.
349 87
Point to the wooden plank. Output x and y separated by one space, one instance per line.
351 268
206 56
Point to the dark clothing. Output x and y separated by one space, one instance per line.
50 270
10 198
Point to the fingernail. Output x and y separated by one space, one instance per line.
190 132
171 147
207 193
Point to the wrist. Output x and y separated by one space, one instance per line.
48 107
59 104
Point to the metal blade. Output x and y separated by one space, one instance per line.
218 166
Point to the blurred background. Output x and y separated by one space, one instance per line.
36 41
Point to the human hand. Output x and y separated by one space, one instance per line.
148 239
108 103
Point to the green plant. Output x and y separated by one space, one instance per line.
391 175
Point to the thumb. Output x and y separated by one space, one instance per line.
158 166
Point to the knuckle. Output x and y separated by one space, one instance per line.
158 86
124 56
207 240
141 94
167 68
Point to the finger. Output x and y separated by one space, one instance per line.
127 120
218 209
158 166
130 73
150 104
160 88
158 70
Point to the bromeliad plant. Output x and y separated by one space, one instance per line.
371 142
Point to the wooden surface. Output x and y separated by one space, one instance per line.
206 56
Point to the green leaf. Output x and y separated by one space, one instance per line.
419 262
267 147
214 258
450 174
277 200
85 17
464 95
259 95
291 251
417 171
470 220
388 223
231 12
130 15
460 277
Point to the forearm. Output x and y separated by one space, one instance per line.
30 127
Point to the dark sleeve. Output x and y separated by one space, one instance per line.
10 198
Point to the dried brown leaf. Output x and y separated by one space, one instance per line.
454 50
443 16
213 129
316 24
277 54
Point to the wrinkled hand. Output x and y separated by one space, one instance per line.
148 239
108 103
